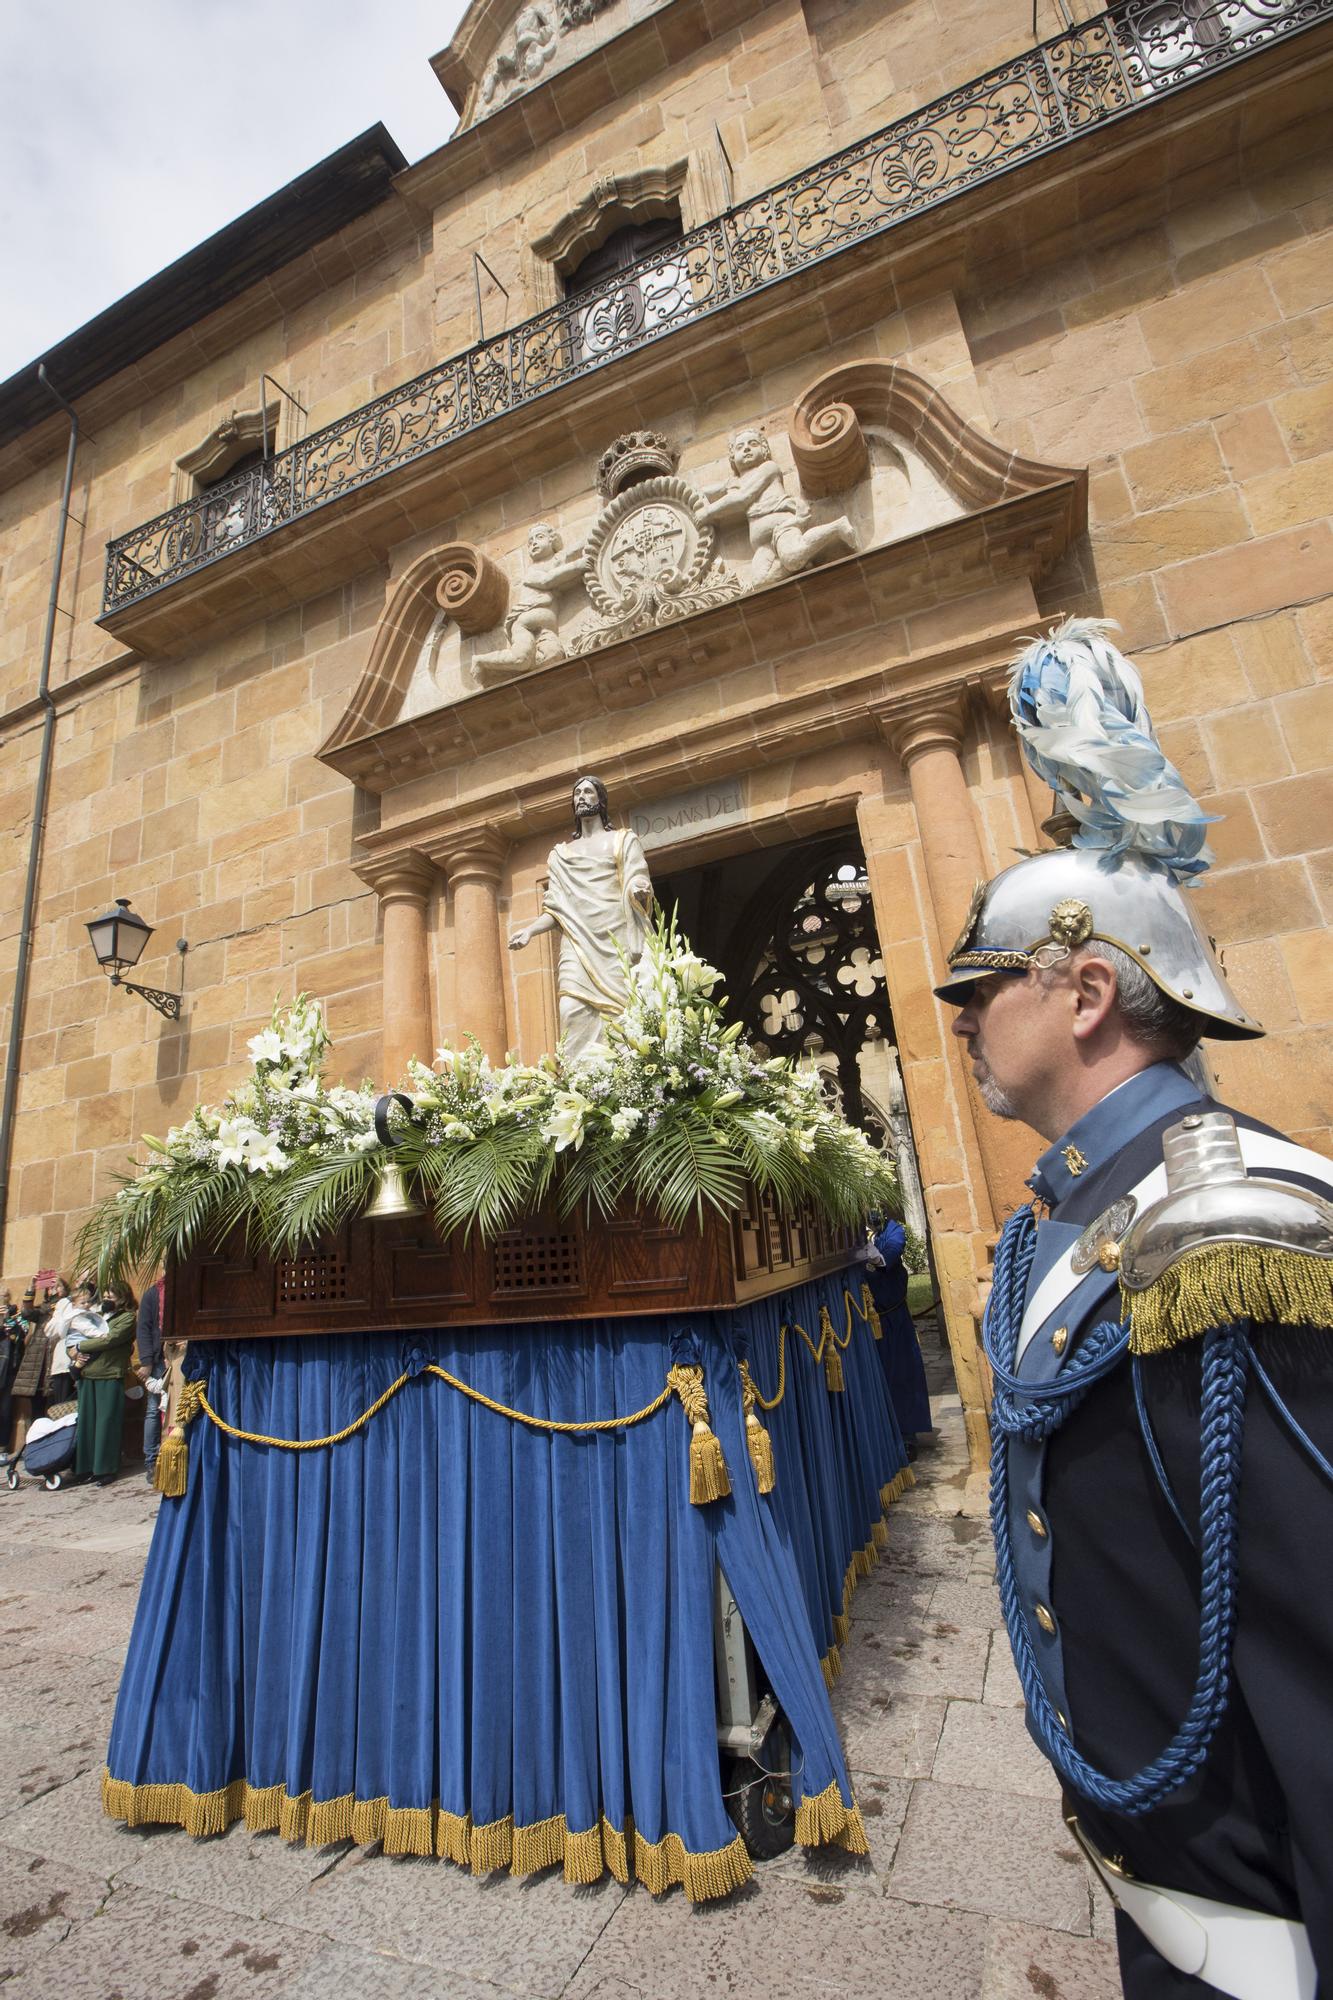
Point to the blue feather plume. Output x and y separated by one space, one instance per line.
1078 707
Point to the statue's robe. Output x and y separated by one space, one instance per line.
599 918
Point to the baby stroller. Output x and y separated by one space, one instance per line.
48 1449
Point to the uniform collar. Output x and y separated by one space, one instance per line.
1101 1133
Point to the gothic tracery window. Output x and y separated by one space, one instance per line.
817 987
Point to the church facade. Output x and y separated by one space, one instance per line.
716 412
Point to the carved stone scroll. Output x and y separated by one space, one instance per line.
472 590
828 448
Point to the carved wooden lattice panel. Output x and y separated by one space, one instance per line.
538 1261
319 1278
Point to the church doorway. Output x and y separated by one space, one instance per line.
792 929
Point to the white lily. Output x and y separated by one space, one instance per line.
266 1046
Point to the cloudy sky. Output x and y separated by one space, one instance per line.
130 133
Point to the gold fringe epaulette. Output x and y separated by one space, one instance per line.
1229 1281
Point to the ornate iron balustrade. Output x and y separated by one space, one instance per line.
1050 94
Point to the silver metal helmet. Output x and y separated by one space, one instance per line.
1040 910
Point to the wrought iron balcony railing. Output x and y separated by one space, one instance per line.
1050 94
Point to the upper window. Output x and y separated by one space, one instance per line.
655 290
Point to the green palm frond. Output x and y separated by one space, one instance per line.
487 1180
682 1164
315 1198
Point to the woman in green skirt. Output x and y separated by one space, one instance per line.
103 1354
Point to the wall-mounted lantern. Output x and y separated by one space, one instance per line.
119 939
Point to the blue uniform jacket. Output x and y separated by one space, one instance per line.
1109 1580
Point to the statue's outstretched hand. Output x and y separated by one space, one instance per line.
519 938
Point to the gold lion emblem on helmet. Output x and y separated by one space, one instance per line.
1071 923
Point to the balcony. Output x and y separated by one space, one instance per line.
1101 72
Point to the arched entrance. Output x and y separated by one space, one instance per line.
793 931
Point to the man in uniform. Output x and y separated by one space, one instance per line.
1163 1520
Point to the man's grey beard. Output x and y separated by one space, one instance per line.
993 1097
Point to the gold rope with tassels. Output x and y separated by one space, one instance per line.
1221 1282
870 1313
709 1479
171 1479
771 1402
757 1439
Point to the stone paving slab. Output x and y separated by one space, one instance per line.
530 1935
894 1735
1027 1964
779 1938
969 1849
990 1747
146 1946
41 1900
343 1970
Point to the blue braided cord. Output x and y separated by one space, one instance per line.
1222 1430
1302 1437
1034 1411
1150 1439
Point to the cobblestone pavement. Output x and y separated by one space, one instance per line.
973 1891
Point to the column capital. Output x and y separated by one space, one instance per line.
922 722
993 688
473 857
400 878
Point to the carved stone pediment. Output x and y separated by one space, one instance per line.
932 503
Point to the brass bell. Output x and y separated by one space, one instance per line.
391 1198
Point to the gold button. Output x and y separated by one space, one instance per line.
1037 1525
1108 1256
1044 1618
1058 1339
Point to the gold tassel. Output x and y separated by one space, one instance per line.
709 1479
1226 1281
171 1470
870 1313
828 1343
757 1439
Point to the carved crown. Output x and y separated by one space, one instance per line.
635 456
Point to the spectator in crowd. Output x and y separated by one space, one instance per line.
899 1348
101 1354
11 1352
149 1338
59 1370
30 1373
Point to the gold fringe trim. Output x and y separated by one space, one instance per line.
879 1534
897 1486
431 1832
861 1564
1227 1281
842 1626
824 1821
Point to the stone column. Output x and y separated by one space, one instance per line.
474 868
1036 801
927 734
404 884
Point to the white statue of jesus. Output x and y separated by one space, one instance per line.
599 897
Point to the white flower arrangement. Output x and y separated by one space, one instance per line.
675 1109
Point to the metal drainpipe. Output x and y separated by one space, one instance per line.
38 817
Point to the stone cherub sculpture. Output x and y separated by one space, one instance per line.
533 618
533 45
782 544
599 898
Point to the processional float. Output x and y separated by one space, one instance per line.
533 1437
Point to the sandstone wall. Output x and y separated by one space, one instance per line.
1185 362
